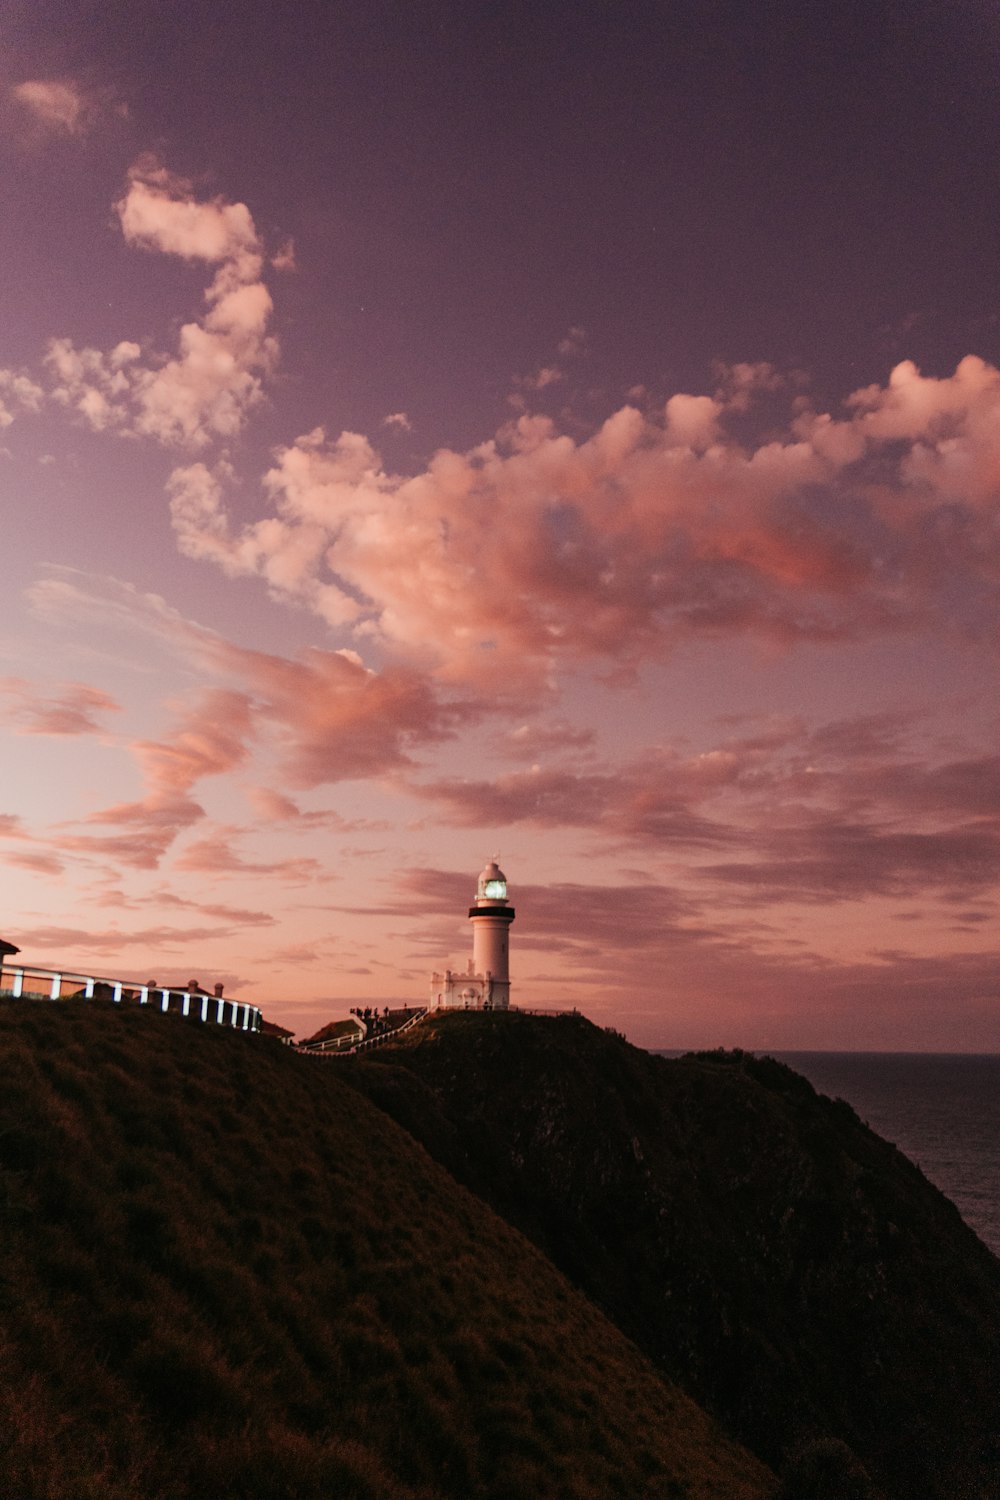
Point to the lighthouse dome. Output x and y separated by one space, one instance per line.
492 885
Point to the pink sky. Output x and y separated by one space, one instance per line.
297 635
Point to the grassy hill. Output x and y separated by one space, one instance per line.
795 1273
225 1273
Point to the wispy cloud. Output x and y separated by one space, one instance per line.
68 710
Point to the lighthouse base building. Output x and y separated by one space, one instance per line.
485 984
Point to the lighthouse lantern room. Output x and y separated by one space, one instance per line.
486 983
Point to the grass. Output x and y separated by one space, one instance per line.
223 1272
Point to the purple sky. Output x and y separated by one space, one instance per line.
571 433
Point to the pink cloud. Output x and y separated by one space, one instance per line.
535 549
215 854
69 711
210 740
18 393
160 211
336 719
532 740
63 939
329 717
63 106
204 392
233 915
38 863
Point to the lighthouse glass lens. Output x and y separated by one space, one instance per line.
495 890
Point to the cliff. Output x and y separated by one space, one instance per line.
501 1257
225 1273
791 1270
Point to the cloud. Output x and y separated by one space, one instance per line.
573 344
337 720
546 376
210 740
398 420
205 391
832 860
843 812
531 740
328 717
284 258
69 711
37 862
535 550
60 107
214 853
589 927
18 392
160 899
111 940
273 806
159 211
637 802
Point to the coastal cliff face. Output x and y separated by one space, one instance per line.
225 1274
790 1269
229 1270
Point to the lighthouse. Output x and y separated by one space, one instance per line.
486 983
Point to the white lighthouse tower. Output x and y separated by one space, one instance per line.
486 983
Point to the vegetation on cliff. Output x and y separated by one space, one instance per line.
225 1273
793 1271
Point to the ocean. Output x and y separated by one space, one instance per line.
941 1109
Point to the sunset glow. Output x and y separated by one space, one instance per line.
400 465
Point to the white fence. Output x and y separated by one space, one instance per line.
25 981
346 1047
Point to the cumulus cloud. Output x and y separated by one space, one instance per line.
535 549
205 390
18 393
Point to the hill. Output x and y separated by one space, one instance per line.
794 1272
225 1273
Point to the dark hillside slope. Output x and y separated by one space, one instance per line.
224 1274
793 1271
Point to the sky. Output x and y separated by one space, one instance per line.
571 434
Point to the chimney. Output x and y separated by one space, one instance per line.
218 991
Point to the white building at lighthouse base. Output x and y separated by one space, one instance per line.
468 991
